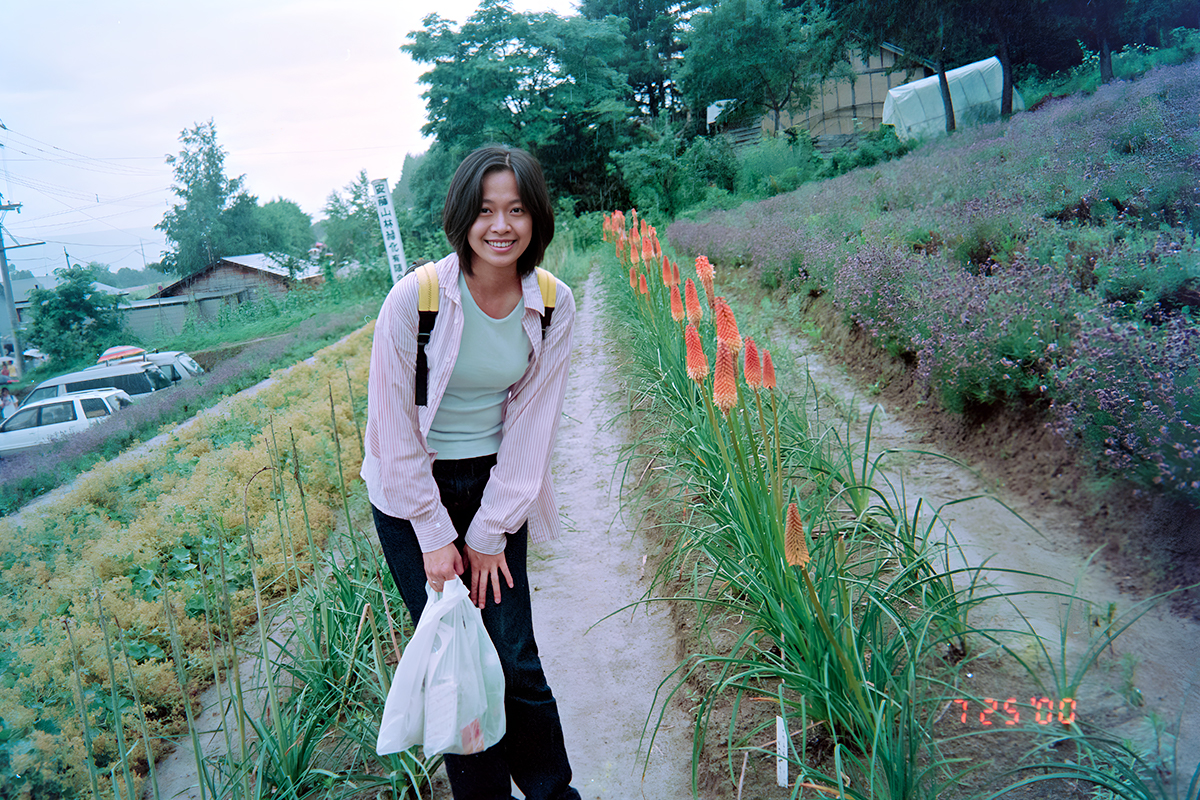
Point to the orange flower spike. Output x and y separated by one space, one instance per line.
633 277
752 369
666 271
647 250
725 393
633 251
704 271
642 287
674 273
768 371
727 330
676 305
695 312
795 551
697 362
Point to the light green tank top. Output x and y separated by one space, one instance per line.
492 357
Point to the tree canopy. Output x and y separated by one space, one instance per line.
654 43
351 223
74 319
541 82
216 217
197 226
761 54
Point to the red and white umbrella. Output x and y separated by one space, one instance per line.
120 351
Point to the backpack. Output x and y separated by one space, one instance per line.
427 308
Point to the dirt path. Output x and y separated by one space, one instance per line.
1159 655
603 676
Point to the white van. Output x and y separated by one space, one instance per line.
137 379
175 364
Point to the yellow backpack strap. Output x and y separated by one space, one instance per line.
549 286
427 308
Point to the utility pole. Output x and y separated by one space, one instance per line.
10 299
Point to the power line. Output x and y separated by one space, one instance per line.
80 160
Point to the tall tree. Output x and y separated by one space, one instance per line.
193 226
286 228
653 45
73 320
352 224
1008 24
761 54
536 81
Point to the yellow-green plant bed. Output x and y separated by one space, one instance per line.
167 519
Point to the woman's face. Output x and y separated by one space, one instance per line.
503 228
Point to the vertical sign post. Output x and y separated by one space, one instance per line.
392 243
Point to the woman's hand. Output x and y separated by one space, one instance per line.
486 569
442 565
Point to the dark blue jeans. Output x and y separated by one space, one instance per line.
532 752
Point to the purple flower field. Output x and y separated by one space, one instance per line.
1053 259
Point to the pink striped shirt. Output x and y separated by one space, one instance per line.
397 467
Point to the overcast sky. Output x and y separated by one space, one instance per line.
93 96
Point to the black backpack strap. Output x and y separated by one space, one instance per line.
549 287
427 308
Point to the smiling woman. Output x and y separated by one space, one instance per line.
458 476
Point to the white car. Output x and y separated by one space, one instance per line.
39 422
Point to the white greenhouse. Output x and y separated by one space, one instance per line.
916 110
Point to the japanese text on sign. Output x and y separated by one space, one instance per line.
392 242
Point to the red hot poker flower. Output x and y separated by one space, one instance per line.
752 369
697 362
795 551
695 312
642 288
704 271
666 271
676 305
768 370
727 329
725 393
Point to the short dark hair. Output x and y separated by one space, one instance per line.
465 198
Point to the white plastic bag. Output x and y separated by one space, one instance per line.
448 691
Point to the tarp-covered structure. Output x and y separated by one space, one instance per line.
916 109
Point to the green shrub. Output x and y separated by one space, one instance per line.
777 165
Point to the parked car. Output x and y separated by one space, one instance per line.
137 378
175 364
35 424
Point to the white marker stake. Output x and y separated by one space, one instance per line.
781 749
